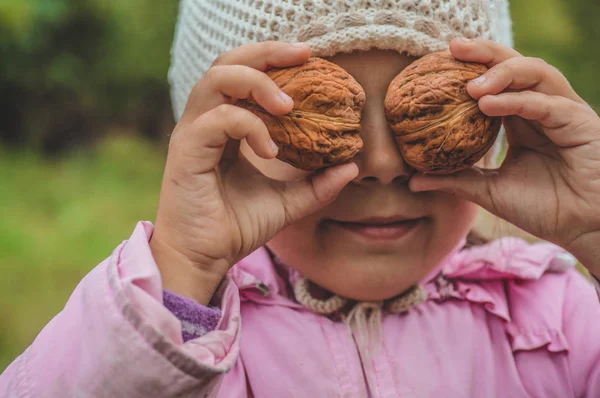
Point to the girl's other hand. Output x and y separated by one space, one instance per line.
549 183
215 207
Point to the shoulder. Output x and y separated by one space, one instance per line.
509 258
533 286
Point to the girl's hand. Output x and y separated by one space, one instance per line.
549 183
215 207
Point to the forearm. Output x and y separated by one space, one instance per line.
586 249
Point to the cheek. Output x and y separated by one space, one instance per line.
297 241
455 216
272 168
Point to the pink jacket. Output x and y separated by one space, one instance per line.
510 320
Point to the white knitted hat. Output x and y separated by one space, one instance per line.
208 28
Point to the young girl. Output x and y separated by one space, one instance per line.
358 281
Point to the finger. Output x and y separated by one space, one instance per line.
522 73
199 146
522 133
483 51
559 116
305 197
474 184
263 55
226 84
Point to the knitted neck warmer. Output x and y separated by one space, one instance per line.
363 318
402 303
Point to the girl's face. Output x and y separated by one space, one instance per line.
377 238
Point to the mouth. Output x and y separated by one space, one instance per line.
378 228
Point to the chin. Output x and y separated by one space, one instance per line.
356 265
382 280
355 274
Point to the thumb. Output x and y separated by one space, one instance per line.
474 184
307 196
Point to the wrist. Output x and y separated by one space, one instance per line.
586 248
184 277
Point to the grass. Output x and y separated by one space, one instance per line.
58 219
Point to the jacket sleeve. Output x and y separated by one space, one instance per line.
114 338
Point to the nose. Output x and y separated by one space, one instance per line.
380 160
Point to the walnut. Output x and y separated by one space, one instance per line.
323 128
438 126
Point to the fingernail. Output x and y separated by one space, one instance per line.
480 80
421 186
466 39
421 189
286 99
274 147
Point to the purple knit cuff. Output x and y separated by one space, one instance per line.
196 319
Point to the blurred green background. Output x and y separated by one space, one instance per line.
84 120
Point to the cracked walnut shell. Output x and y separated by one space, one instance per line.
437 125
323 128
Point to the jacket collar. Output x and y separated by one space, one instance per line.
465 272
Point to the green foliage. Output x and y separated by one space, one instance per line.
61 218
566 34
72 68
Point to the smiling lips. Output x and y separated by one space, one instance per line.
378 228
